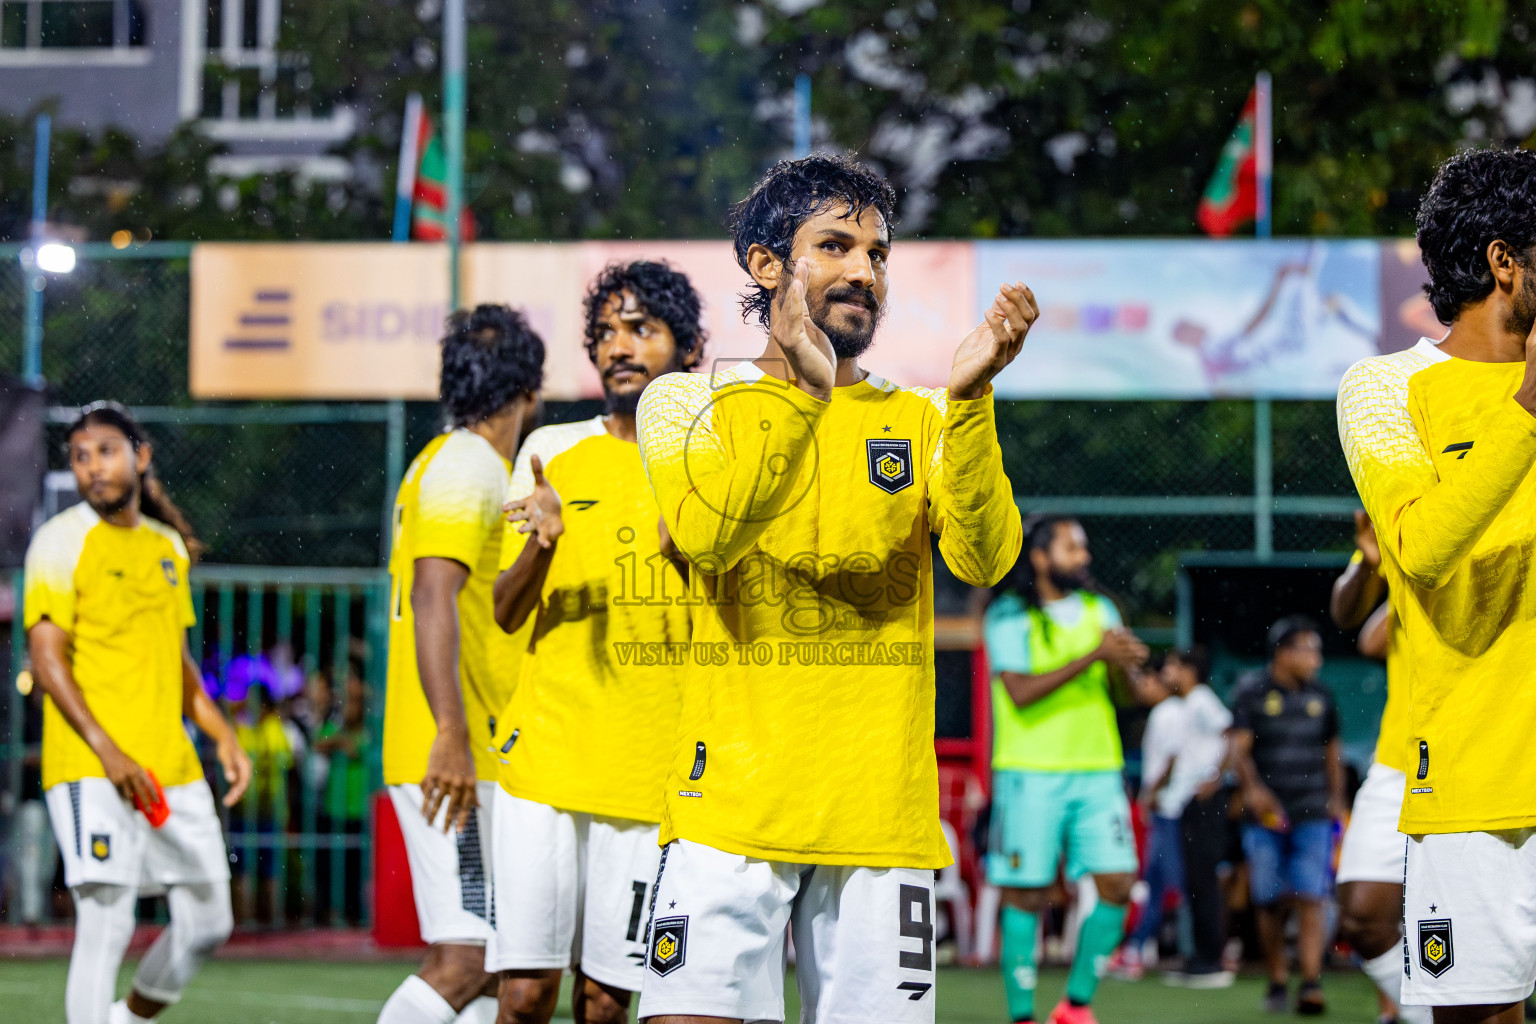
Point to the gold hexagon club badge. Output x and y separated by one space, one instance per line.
1436 953
669 945
890 463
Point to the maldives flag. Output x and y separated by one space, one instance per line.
1232 197
429 197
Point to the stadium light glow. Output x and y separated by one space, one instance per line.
55 258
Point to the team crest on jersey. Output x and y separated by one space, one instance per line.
1273 703
890 464
101 845
669 945
1436 954
168 566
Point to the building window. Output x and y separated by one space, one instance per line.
71 24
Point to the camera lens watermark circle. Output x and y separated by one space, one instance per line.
777 465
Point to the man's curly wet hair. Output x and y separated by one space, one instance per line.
490 357
1476 197
662 292
791 193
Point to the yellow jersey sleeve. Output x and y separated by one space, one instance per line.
971 504
723 456
1442 456
459 503
1429 523
49 591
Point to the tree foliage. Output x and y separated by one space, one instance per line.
617 118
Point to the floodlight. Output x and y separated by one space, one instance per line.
55 258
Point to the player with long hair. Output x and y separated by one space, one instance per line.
107 607
450 668
1052 641
802 787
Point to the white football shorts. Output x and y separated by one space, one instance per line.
1469 918
450 871
572 890
1373 848
104 838
863 939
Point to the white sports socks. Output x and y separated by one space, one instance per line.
1387 972
415 1002
481 1010
103 929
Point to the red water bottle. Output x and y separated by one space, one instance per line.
157 811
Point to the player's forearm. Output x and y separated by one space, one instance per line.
1025 689
1376 634
515 594
437 656
1355 593
1433 535
982 531
50 667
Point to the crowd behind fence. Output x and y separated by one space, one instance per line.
308 486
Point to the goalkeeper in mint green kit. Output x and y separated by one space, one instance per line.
1057 789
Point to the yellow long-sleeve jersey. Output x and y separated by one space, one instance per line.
806 732
1442 457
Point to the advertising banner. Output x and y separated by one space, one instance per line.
1184 319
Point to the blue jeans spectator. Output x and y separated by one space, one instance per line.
1297 863
1164 874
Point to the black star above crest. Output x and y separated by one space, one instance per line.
1431 908
672 905
885 429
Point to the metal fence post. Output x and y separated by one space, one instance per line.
1263 480
394 469
32 279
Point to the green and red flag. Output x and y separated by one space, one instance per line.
1232 196
429 195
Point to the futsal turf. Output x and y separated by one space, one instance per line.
291 992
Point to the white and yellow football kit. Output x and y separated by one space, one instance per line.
449 506
121 594
1442 456
591 723
802 785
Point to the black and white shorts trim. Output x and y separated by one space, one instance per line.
863 940
450 871
1469 918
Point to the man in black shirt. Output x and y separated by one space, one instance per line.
1285 743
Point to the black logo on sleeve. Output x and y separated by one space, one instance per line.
101 845
1463 447
890 464
1436 954
669 945
698 763
169 567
